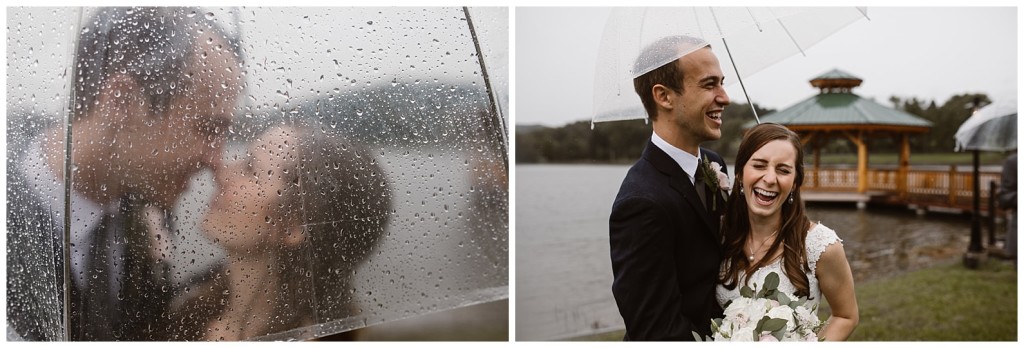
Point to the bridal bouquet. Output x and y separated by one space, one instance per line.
767 315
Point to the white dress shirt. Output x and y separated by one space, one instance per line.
685 160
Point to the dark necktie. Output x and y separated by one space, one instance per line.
700 184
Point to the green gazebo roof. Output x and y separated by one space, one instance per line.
843 109
836 107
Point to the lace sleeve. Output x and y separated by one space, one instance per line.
819 238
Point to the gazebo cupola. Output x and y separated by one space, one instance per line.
836 81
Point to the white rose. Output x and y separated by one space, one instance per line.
742 320
745 311
805 317
756 309
736 307
785 313
744 334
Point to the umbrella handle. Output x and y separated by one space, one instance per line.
743 87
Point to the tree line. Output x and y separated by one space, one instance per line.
623 141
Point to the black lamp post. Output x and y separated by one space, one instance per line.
975 254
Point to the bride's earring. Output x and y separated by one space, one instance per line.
791 198
741 187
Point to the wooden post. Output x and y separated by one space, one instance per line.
901 177
817 164
952 185
862 160
862 164
809 138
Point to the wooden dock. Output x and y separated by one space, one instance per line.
861 199
932 189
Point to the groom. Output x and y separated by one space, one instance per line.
156 90
665 219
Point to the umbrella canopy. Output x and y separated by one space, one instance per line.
754 37
991 128
397 178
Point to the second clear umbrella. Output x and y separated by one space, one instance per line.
991 128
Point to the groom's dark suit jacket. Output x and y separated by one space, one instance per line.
665 251
35 276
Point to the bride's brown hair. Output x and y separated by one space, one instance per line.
793 227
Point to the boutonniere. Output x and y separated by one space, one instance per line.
716 180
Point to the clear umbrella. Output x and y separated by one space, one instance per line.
991 128
285 173
754 38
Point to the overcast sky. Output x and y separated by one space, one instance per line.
928 53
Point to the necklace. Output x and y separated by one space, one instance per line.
752 252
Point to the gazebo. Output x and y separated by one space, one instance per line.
836 112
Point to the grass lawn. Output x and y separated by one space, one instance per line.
943 303
946 302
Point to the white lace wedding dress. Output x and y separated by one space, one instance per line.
818 238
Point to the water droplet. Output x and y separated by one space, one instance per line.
209 15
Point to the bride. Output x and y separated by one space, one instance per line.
765 230
296 215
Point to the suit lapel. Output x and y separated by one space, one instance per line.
678 180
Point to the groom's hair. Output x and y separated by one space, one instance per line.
792 229
152 45
669 74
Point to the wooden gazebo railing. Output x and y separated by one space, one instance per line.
948 188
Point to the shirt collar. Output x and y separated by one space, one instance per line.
684 159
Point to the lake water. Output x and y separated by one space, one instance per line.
563 271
